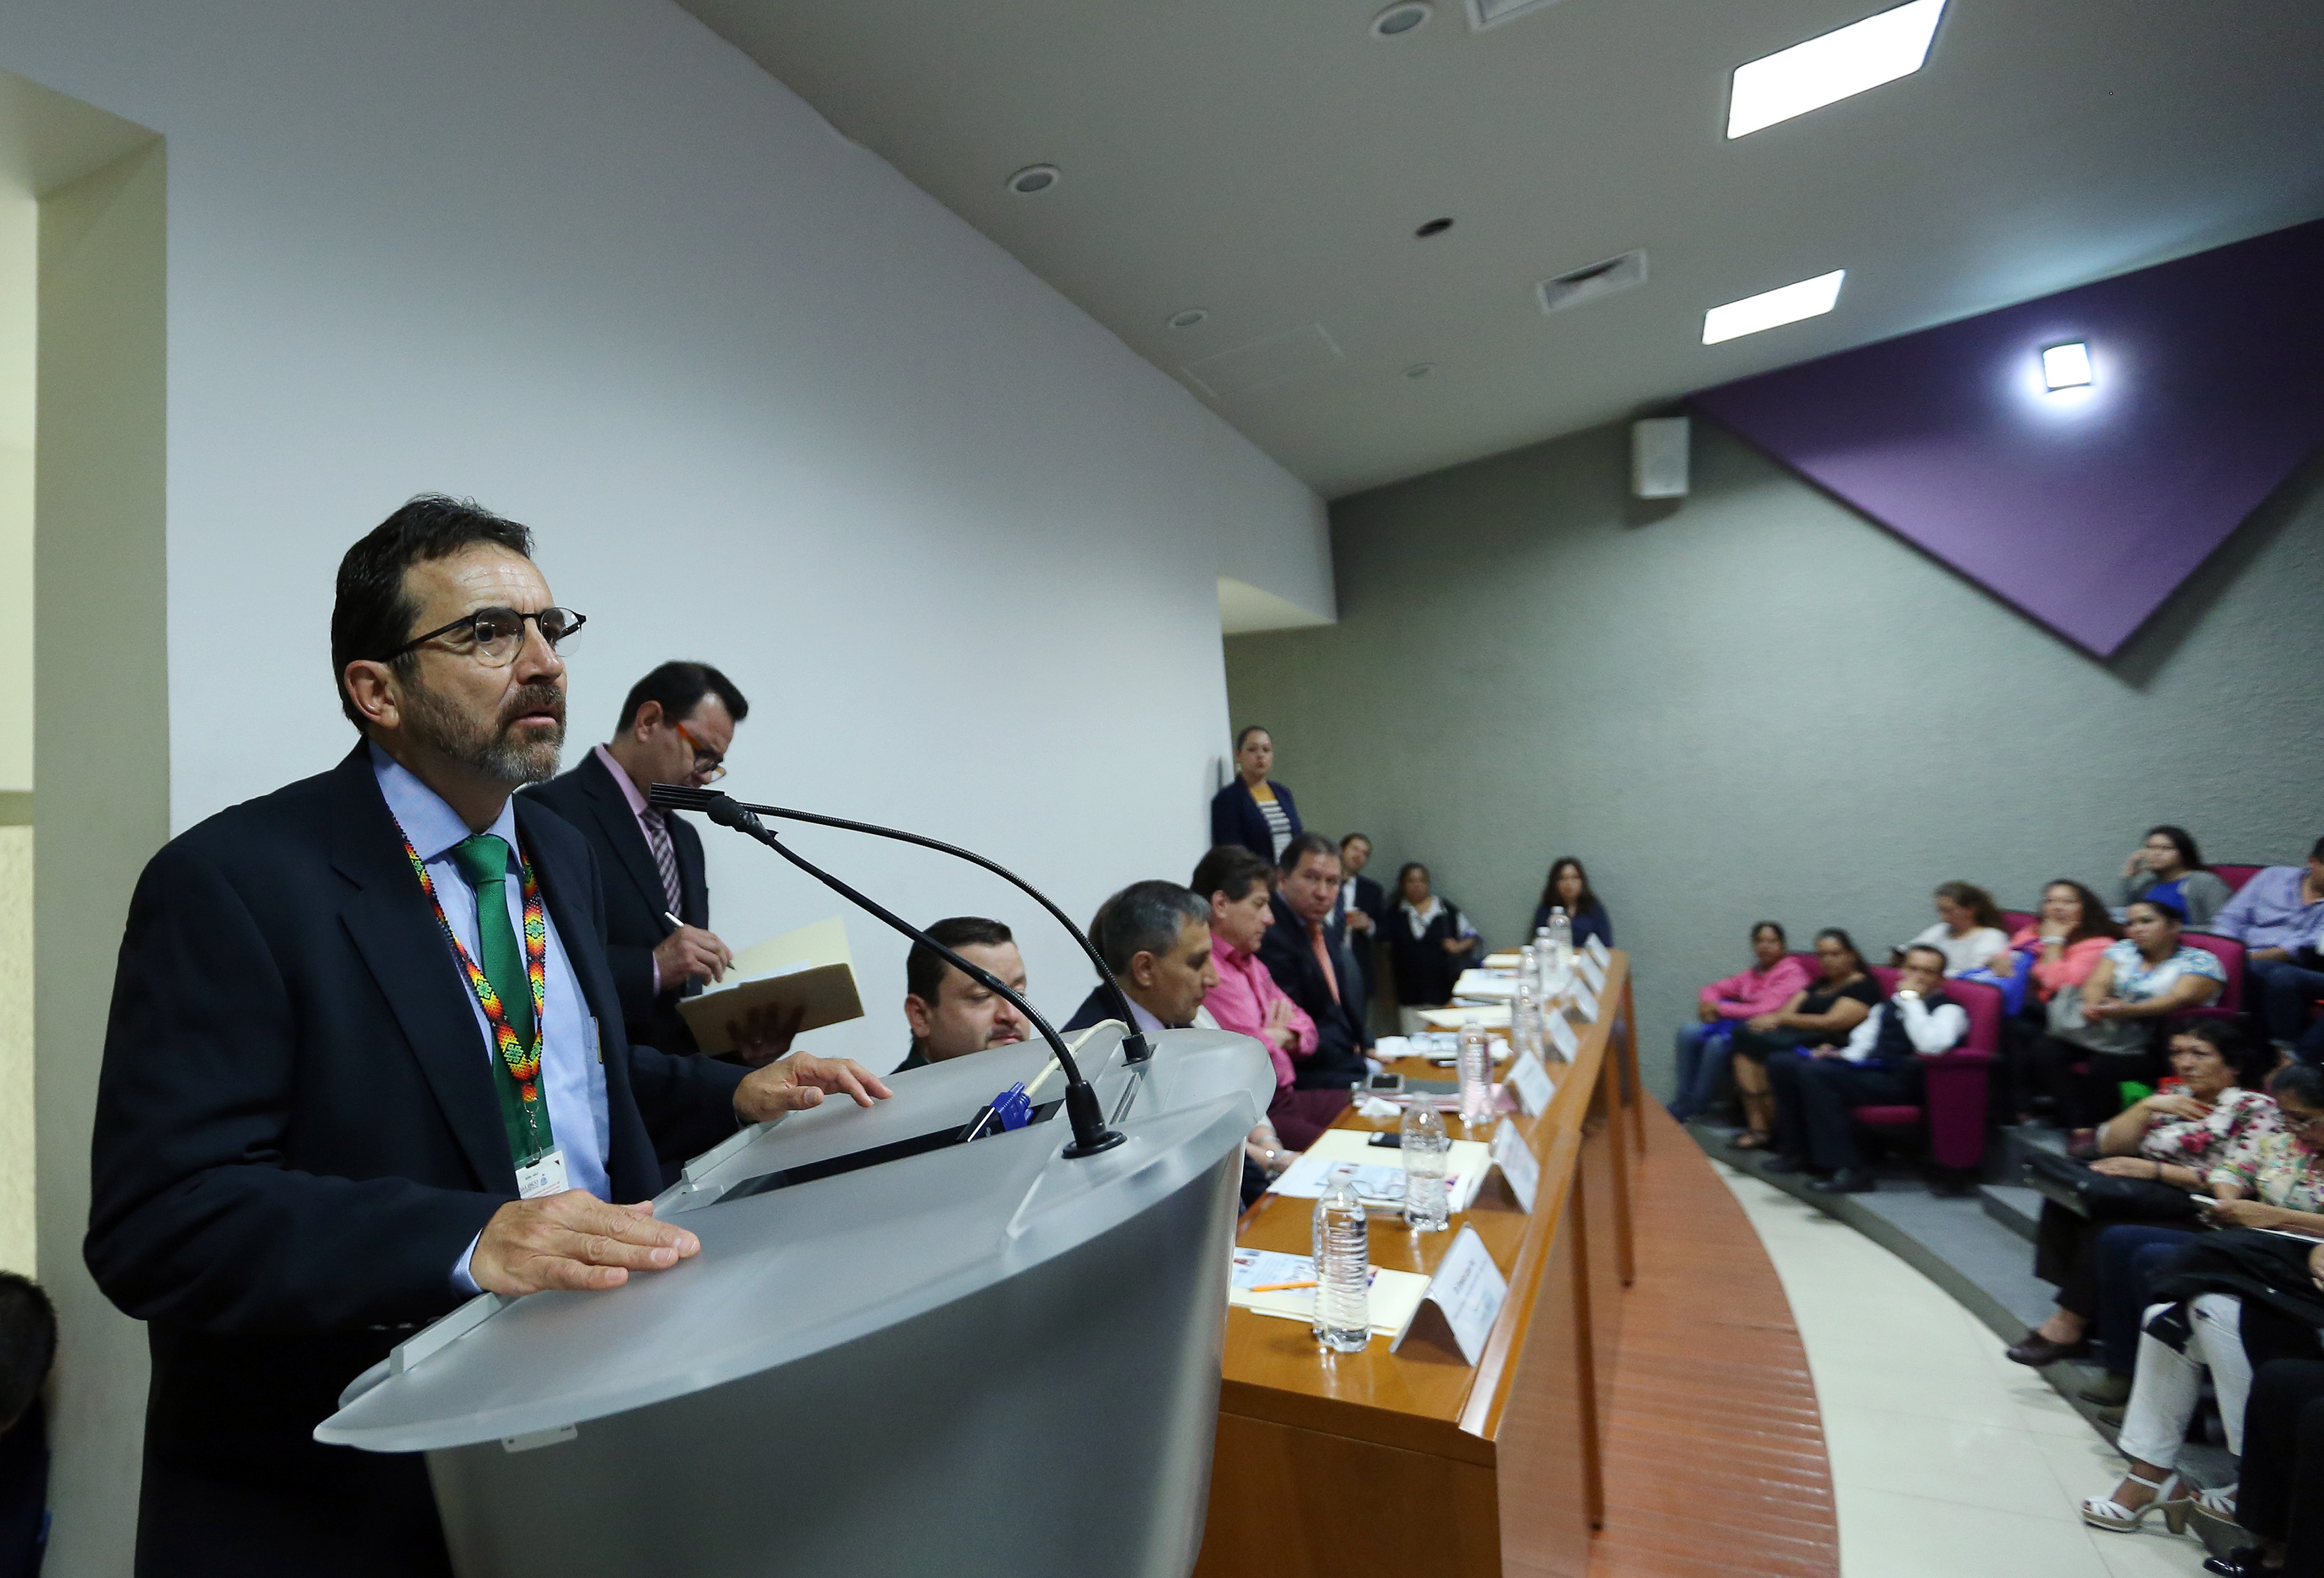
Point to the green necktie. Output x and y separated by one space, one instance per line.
483 861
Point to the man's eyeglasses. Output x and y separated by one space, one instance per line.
496 635
708 765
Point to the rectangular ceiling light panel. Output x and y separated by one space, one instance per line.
1485 14
1771 308
1839 65
1261 363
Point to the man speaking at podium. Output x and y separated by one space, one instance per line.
365 1058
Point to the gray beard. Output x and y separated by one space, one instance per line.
485 749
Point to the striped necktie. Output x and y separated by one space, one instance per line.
665 856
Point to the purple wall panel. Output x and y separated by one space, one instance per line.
2084 509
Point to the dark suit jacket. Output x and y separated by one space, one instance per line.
1341 1036
588 797
1372 900
1095 1010
1236 818
296 1137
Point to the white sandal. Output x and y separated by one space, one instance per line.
2170 1499
2217 1506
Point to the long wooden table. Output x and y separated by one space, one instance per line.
1336 1464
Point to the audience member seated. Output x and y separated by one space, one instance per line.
1827 1008
1568 889
2279 917
2063 944
1817 1090
1429 941
951 1016
2282 1498
2273 1179
1253 811
1247 1001
1306 951
2060 948
2170 1141
27 1346
1362 908
2107 1026
2168 867
1773 979
1968 929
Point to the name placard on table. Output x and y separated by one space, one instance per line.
1590 971
1561 1037
1519 1168
1533 1084
1463 1301
1598 950
1586 1000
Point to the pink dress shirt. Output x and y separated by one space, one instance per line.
1240 1002
1756 991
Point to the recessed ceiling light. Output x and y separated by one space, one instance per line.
1188 318
1772 309
1034 178
1433 228
1398 20
1419 370
2066 366
1839 65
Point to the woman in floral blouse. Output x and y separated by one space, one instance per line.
2172 1137
2272 1178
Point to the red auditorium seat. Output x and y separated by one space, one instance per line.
2230 953
2017 920
2234 877
1952 1097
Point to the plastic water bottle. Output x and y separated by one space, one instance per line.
1526 1028
1545 965
1342 1256
1426 1149
1476 1071
1561 946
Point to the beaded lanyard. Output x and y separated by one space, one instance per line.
523 1064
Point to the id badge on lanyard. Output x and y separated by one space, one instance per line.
544 1175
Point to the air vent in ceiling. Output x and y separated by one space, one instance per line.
1485 14
1600 279
1256 365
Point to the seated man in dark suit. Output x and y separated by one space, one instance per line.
1156 938
365 1059
1305 949
951 1016
676 727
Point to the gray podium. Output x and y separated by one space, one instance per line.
892 1357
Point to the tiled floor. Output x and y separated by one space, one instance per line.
1947 1460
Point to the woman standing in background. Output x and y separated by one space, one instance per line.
1254 811
1568 889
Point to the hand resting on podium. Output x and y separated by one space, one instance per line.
577 1241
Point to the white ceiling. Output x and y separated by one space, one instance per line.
1268 160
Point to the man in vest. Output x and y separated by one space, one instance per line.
1880 1065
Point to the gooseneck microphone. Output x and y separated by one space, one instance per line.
678 796
1091 1135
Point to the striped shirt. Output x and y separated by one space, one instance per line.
1278 823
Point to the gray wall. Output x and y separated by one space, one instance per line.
1755 702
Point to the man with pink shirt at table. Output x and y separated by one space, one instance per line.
1247 1001
1769 984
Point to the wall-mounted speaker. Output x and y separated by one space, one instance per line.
1658 455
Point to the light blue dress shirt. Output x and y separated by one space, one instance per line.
573 1081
